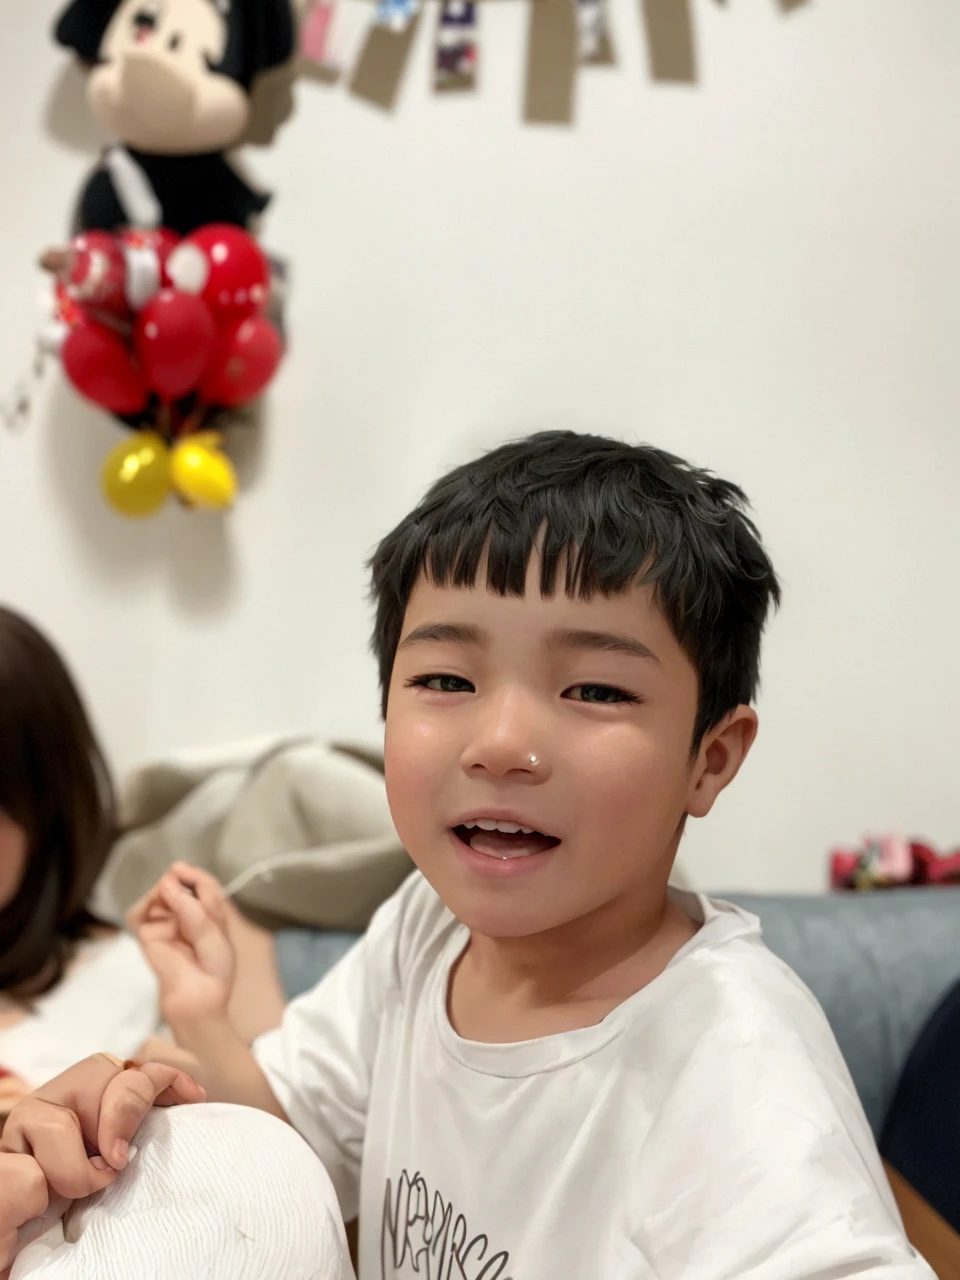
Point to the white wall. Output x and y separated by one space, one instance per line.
762 273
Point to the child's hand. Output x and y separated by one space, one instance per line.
157 1049
185 939
45 1148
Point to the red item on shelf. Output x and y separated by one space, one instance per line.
888 862
935 868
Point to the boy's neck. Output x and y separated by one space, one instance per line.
507 989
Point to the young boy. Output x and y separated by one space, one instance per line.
540 1063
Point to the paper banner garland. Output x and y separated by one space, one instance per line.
564 35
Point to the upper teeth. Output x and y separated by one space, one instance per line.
508 828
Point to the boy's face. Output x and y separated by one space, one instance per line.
570 717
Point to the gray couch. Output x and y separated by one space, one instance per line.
878 963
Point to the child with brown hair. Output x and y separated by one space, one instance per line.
57 961
56 812
71 984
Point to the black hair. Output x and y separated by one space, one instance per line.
55 785
260 34
609 515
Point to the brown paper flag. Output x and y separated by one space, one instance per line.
552 52
669 28
383 60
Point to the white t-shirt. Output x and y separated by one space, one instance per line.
707 1129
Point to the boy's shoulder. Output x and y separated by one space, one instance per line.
727 1011
415 925
731 980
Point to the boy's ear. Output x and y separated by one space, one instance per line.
719 757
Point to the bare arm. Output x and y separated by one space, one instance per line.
228 1069
187 938
258 998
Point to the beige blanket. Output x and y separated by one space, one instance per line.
301 827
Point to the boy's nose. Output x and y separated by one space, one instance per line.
507 740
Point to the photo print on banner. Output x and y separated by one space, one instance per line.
458 45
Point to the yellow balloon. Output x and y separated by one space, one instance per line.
136 475
202 474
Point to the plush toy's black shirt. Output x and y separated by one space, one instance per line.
192 191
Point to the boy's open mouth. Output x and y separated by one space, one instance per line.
503 840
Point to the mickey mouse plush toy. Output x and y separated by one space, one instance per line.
172 80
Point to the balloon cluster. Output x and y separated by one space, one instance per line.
164 333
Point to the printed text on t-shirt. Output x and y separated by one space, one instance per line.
424 1240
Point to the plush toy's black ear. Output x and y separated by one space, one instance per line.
83 24
260 34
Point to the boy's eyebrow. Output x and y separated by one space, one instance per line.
565 638
602 641
444 633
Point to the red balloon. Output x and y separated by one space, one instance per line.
101 366
246 359
174 337
226 268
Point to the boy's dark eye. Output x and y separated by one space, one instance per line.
599 693
442 684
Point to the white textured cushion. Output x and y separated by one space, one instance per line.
214 1191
